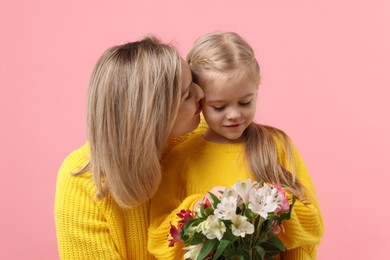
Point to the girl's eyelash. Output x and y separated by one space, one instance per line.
218 108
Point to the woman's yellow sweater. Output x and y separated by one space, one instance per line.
195 166
88 228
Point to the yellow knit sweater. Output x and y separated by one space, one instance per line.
88 228
195 166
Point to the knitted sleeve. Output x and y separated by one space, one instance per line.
82 229
165 204
158 233
305 228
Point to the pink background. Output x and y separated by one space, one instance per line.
326 81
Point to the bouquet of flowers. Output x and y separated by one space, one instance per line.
242 223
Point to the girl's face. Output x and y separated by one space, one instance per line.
229 107
188 116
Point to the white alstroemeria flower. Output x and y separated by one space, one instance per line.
262 201
241 226
243 189
203 227
226 209
229 193
212 228
193 251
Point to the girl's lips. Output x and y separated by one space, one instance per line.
232 126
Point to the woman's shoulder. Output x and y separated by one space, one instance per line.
78 191
76 160
67 180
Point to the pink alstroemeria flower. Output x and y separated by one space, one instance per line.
175 234
184 216
282 199
206 203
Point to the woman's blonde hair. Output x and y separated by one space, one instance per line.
134 96
213 57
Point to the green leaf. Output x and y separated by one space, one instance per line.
249 214
204 213
261 182
206 249
209 211
196 239
293 201
260 251
191 236
192 222
188 224
277 242
215 200
221 248
229 236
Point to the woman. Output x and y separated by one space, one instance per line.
141 96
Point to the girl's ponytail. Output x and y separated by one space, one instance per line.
266 147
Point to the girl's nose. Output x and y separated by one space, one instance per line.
233 114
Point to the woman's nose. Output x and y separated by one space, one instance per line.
199 92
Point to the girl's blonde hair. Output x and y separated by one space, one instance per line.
213 57
134 96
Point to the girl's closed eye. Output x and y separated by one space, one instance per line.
218 108
245 103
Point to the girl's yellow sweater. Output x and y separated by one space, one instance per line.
195 166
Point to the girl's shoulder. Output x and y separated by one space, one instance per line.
285 146
179 140
185 148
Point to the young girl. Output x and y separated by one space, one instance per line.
232 148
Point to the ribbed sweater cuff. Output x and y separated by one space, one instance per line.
158 240
299 254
